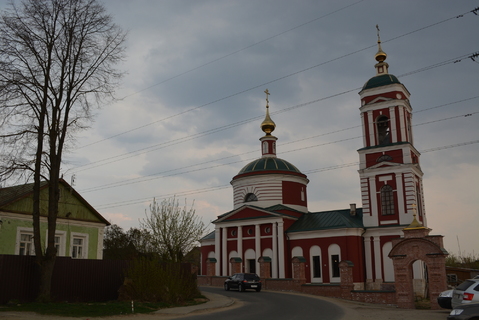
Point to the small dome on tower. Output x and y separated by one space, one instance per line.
267 125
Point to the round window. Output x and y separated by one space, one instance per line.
233 233
250 231
267 230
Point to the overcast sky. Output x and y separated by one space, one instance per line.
191 104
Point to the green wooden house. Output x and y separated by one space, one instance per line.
80 227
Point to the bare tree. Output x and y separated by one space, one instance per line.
174 230
57 61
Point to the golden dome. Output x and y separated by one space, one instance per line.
267 125
380 55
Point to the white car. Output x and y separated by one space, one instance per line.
466 292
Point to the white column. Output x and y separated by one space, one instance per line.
394 132
371 125
274 268
400 196
224 260
217 250
240 245
257 245
363 122
377 259
367 257
374 202
281 250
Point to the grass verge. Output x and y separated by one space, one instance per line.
97 309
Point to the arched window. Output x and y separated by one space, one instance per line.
387 200
384 136
265 147
250 197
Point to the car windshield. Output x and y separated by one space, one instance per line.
466 284
251 277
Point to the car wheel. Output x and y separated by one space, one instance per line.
240 288
227 287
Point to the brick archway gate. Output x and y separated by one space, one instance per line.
417 244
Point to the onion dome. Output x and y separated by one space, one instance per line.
382 77
267 125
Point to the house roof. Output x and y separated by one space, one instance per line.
335 219
12 194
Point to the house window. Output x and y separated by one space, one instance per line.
316 267
265 147
384 136
60 242
26 247
79 246
387 200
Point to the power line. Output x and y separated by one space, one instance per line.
134 153
210 189
211 62
269 82
172 172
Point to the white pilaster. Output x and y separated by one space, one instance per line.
224 254
281 249
257 245
217 250
372 140
240 245
392 125
374 221
367 258
274 271
377 258
401 197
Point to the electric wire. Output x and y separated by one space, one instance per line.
162 145
216 188
275 80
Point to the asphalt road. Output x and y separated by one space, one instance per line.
272 305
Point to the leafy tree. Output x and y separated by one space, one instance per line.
118 244
57 61
174 230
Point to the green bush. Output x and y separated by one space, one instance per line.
154 281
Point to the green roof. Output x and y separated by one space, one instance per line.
336 219
209 236
379 81
269 164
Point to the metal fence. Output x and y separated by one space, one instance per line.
74 280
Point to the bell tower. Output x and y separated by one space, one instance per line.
389 170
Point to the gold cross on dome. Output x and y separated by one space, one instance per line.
377 27
267 94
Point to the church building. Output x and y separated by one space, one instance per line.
271 221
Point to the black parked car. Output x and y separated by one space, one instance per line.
243 281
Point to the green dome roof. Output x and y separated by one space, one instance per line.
269 164
379 81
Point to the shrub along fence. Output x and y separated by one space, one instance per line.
74 280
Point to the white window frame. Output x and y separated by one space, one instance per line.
62 244
85 238
20 231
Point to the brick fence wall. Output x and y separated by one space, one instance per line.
343 290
